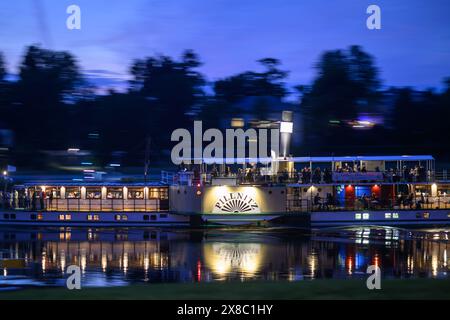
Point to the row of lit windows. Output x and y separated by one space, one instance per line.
111 193
366 216
65 217
394 215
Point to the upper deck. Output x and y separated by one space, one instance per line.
402 169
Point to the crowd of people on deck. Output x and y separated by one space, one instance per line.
373 201
414 174
316 175
16 199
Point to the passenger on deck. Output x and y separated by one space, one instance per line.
329 202
214 171
317 177
42 200
33 201
317 202
327 176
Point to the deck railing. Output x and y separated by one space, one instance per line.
335 177
307 205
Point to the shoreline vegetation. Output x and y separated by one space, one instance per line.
251 290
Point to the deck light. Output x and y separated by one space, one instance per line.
286 127
5 173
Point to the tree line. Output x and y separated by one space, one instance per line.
52 107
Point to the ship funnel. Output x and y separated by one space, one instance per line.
286 129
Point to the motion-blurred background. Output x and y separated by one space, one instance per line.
97 98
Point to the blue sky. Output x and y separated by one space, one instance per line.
411 49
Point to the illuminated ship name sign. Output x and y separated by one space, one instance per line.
236 202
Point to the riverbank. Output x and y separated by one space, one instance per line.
281 290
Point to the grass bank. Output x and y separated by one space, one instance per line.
317 289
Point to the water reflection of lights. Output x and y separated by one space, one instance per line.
223 258
434 265
63 261
376 259
445 258
362 236
44 261
349 264
146 262
410 264
125 262
104 261
83 260
199 271
313 262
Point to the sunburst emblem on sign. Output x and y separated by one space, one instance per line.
236 202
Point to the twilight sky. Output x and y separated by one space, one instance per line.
411 49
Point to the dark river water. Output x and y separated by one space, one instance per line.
119 257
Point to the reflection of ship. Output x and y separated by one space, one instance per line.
224 258
108 255
308 191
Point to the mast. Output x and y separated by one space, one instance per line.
147 158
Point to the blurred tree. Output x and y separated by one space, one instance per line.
46 78
266 83
347 83
173 86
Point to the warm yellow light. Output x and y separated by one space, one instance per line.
104 261
434 190
237 123
223 258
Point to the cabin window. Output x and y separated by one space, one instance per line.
358 216
6 216
33 216
146 217
114 193
73 193
93 193
94 217
388 215
158 193
63 217
153 217
365 216
40 216
426 215
395 215
124 217
163 215
13 216
135 193
117 217
53 192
